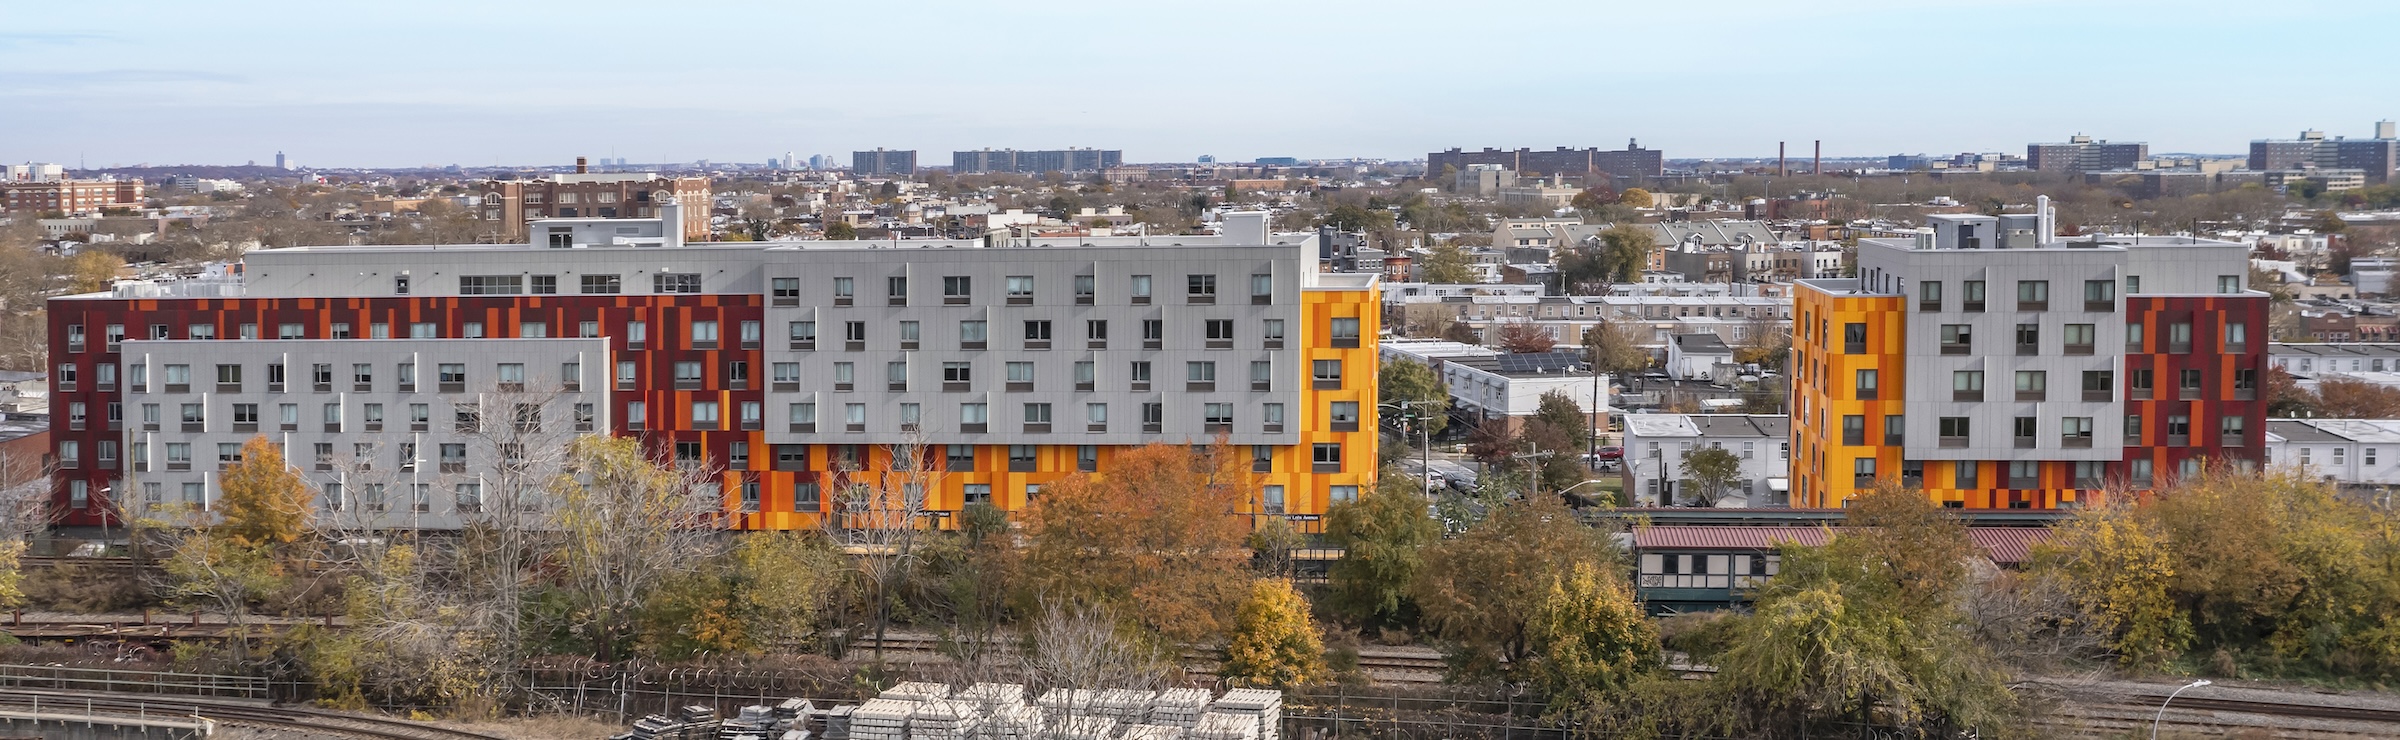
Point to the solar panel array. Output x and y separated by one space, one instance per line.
1542 362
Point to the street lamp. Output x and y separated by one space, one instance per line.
2162 706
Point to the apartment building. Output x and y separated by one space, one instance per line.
2358 454
1035 161
386 372
512 204
1632 161
70 197
880 161
2117 361
1488 384
2081 153
1656 443
2378 158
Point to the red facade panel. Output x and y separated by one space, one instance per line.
2228 374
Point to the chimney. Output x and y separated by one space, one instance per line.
1817 166
580 168
1778 159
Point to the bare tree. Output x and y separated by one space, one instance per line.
527 435
879 518
1076 646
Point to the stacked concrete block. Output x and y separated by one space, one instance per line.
1178 707
1262 706
1214 726
882 719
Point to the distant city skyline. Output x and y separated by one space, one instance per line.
120 83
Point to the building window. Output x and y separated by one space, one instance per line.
1200 288
491 284
1929 295
2229 283
1327 457
1019 289
1972 295
1868 387
1326 373
957 289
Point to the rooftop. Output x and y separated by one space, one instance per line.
1775 426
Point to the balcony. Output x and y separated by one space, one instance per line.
2076 442
1037 427
1954 442
1973 396
2079 349
2097 396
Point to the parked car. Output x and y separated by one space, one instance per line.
1612 452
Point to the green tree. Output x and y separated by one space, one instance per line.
1637 198
1480 591
1592 640
1613 349
92 270
1349 217
2121 573
1625 251
1448 263
628 528
1383 535
1402 381
1274 644
840 231
1867 626
1708 470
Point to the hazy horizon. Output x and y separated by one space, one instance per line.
106 84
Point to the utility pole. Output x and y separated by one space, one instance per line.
1534 481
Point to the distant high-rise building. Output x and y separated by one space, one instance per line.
1907 162
2378 157
1208 159
2083 154
1036 161
884 162
1277 161
1632 161
281 163
820 162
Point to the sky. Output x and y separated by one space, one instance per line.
517 82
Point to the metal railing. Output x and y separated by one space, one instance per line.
64 678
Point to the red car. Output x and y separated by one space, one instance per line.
1612 453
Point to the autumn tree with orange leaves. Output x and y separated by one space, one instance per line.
1154 537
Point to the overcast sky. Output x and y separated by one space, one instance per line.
520 82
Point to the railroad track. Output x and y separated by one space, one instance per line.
1381 664
245 714
2133 713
